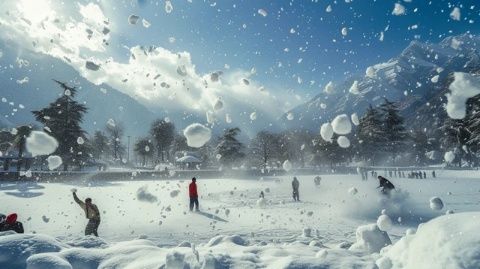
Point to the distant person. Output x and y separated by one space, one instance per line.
424 174
420 174
192 192
385 184
91 213
295 185
10 223
317 181
433 174
262 195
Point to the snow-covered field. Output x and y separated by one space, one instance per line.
143 220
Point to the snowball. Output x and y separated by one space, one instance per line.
80 140
168 7
91 66
144 195
326 132
354 88
228 118
355 120
353 191
341 124
40 143
263 12
253 116
434 79
54 162
455 14
384 223
132 19
287 165
344 31
449 156
370 239
290 116
111 123
436 203
370 72
210 116
329 88
398 9
197 135
146 23
328 9
343 141
463 87
218 105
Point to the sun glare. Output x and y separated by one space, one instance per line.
35 10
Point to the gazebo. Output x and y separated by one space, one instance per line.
188 161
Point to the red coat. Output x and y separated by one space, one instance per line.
192 190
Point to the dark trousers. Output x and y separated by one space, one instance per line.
296 195
92 227
193 201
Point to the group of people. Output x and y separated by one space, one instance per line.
397 174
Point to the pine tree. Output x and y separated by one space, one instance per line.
19 141
393 128
63 118
115 132
229 148
263 148
144 148
370 135
99 145
163 133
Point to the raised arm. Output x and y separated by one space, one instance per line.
75 197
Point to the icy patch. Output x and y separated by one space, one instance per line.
197 135
40 143
463 87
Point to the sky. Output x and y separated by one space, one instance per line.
268 55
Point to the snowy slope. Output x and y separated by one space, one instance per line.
406 78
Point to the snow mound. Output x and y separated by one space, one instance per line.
40 143
197 135
449 241
230 239
341 125
370 239
47 261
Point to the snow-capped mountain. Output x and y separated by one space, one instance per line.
415 79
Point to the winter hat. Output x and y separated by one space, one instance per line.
11 219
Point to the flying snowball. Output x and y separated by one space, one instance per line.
455 14
370 72
133 19
287 165
253 116
449 156
197 135
436 203
398 9
168 7
40 143
80 140
355 120
341 125
329 88
344 31
384 223
218 105
353 191
290 116
343 142
326 132
263 12
54 162
354 88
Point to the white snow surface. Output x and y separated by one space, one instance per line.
197 135
40 143
247 235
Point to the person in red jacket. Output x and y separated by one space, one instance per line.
10 223
192 192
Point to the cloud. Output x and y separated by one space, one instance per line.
161 79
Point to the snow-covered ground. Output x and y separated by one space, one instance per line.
149 217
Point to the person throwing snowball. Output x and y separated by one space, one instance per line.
192 192
91 213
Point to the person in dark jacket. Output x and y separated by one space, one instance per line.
10 223
91 213
192 192
295 185
385 184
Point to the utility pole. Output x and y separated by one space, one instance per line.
128 149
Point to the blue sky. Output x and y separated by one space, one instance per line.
213 32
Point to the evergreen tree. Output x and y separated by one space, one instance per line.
99 145
144 148
229 148
393 128
115 132
63 118
163 133
456 135
263 148
370 135
19 141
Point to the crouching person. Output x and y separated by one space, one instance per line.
91 213
10 223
